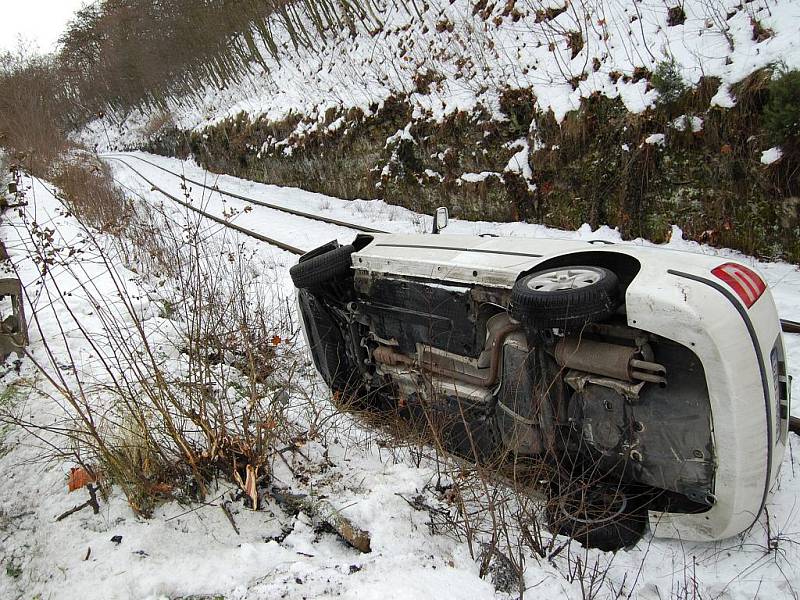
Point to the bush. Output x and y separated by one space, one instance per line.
88 189
519 105
667 81
782 112
162 408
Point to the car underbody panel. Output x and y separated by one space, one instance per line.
593 361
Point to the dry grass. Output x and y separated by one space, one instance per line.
162 406
88 190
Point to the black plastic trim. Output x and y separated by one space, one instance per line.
761 365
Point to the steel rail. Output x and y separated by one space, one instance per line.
239 228
215 188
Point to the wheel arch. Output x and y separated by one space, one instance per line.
623 265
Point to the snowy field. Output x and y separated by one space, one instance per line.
185 551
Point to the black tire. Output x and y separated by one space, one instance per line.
597 515
566 309
326 343
323 268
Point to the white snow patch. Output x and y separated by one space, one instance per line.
723 98
520 162
401 134
772 155
690 122
478 177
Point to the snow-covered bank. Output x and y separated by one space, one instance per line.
471 51
187 550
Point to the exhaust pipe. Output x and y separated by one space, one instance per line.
389 356
608 360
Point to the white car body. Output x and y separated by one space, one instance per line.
675 296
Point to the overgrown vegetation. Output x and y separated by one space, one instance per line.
162 407
782 111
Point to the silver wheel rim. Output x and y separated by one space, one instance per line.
564 279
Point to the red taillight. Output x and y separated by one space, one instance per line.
746 283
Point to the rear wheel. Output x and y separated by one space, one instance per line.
597 515
565 298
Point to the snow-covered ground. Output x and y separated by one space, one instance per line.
473 55
193 550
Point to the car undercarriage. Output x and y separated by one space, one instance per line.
549 370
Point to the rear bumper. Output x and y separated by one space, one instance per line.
734 346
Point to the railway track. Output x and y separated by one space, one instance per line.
221 221
214 188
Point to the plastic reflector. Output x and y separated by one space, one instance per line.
745 282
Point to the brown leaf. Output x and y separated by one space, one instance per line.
276 339
250 485
161 488
78 478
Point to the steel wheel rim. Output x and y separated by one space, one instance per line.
564 279
617 508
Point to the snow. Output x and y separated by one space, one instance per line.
723 98
693 123
186 550
481 57
478 177
655 139
770 156
401 134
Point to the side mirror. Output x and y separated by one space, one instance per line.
440 219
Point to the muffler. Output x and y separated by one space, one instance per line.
608 360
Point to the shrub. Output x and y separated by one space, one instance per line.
162 408
88 189
667 81
782 112
519 105
676 16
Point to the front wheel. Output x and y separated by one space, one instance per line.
324 265
565 298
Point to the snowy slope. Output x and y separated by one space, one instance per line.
473 51
187 550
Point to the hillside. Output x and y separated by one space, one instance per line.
639 115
